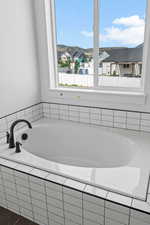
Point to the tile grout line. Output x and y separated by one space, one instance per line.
2 178
16 190
31 198
63 204
130 212
45 189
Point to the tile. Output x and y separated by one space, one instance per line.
141 205
118 199
112 222
145 116
93 217
88 222
8 170
75 201
96 191
133 115
39 173
37 187
53 186
53 194
42 220
107 112
56 211
13 207
68 222
145 123
55 202
38 203
26 212
8 177
72 217
134 221
117 216
36 181
39 211
107 123
133 126
120 125
37 195
75 184
21 182
72 193
144 128
93 200
23 168
24 197
140 216
56 178
93 208
56 218
133 121
73 209
23 190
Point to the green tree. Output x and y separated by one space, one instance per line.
76 67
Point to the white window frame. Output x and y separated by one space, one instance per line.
52 54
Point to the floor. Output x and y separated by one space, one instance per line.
9 218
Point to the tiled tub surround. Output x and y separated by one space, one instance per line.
31 113
120 210
48 199
130 120
52 146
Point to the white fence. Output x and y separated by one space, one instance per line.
87 80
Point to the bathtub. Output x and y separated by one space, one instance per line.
115 160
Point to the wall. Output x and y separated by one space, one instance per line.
19 75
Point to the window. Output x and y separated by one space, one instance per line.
100 44
126 66
74 53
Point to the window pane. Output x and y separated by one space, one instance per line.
122 25
74 21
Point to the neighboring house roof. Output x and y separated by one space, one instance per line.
125 55
78 54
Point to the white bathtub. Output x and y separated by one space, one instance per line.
115 160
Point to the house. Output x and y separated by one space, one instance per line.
64 56
78 56
122 61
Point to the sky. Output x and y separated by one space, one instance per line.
122 22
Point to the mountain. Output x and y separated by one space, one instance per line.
87 51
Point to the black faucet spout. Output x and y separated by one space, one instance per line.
11 138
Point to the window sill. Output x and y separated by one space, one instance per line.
122 97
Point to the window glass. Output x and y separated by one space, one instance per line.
122 25
74 23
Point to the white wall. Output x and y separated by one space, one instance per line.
19 72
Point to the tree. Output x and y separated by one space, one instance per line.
76 67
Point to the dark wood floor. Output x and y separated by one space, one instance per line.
9 218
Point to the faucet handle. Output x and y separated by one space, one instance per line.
18 144
7 137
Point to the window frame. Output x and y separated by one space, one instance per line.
53 73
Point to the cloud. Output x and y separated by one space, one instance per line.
131 21
124 31
87 33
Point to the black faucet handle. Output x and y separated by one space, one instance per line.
7 137
18 144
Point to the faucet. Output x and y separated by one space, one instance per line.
11 137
